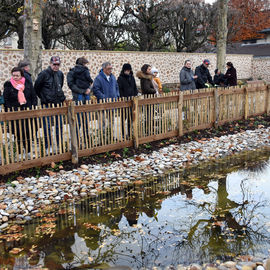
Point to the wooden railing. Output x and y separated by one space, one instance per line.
32 138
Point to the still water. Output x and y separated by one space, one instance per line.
196 215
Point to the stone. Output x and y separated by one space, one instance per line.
3 226
267 264
230 264
195 267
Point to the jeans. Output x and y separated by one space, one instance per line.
48 122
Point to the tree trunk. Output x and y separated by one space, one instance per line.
222 34
33 35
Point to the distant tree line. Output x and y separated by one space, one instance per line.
145 25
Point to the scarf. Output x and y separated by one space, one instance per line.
19 85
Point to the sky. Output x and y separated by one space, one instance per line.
210 1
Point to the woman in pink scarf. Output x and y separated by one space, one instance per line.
19 93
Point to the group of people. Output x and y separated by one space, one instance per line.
21 93
202 77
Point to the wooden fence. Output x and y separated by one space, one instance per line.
37 137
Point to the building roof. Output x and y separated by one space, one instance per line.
258 50
264 31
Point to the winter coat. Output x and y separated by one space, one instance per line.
103 88
158 82
203 77
77 86
147 86
219 79
11 96
186 79
28 76
48 86
81 76
127 85
231 76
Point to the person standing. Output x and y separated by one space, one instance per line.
147 87
25 66
48 87
19 94
187 77
146 78
203 75
231 75
127 88
157 80
105 86
79 80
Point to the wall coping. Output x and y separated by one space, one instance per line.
143 52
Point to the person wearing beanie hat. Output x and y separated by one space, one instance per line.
156 80
203 75
127 88
25 65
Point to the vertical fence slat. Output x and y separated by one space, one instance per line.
73 135
180 112
135 121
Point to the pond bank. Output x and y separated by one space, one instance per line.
24 198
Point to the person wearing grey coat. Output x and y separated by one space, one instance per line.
187 77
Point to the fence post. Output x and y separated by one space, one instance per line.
246 103
216 107
135 113
267 101
73 133
180 114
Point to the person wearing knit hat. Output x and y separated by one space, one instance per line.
127 88
157 80
203 75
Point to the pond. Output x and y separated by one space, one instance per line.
201 214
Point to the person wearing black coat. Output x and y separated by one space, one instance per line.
48 87
219 78
19 94
79 80
203 75
49 84
127 88
231 75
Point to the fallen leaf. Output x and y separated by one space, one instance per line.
53 165
15 250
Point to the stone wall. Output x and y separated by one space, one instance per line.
169 64
261 68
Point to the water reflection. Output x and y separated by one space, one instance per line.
195 215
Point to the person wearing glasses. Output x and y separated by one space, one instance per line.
105 84
204 79
48 87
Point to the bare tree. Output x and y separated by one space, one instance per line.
10 13
95 21
32 34
146 24
190 23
